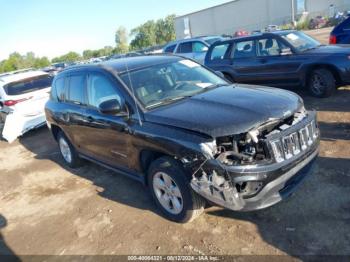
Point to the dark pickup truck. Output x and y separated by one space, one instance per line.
185 132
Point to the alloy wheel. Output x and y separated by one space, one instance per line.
168 193
65 150
318 84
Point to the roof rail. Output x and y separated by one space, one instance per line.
17 72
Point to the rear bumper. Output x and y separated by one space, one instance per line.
14 125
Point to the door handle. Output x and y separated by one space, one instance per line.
263 61
90 118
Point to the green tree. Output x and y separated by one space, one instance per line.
87 54
14 62
165 30
121 41
69 57
144 35
17 61
41 62
153 33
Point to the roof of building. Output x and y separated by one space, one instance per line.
204 9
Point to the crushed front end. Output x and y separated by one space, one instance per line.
261 167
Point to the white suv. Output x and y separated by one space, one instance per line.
194 48
23 95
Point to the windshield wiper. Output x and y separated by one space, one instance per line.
168 100
217 85
312 48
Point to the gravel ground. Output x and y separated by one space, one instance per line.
46 208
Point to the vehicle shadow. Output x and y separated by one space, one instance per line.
312 222
111 185
334 131
338 102
6 254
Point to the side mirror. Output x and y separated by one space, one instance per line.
286 51
219 73
113 107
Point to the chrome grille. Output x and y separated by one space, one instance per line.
293 144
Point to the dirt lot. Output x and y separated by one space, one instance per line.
46 208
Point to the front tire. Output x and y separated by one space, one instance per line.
171 190
68 152
322 83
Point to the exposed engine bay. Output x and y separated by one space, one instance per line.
250 148
220 179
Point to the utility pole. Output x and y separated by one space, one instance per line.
293 13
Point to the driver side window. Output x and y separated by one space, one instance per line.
199 47
101 89
269 47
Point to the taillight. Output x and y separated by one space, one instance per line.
14 102
332 40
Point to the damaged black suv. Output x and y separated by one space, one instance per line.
185 132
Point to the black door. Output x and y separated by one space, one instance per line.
106 136
275 67
244 61
73 115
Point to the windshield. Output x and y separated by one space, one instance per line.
28 85
162 84
300 41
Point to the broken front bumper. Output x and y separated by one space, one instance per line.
270 182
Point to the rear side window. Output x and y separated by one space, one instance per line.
219 51
269 47
184 48
76 89
28 85
244 49
170 49
57 92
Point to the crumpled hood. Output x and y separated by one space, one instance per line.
227 110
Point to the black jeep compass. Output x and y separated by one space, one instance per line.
185 132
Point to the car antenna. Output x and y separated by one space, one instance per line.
133 93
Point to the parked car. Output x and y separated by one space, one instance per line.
317 22
282 58
23 95
185 132
341 33
193 48
59 66
272 28
240 33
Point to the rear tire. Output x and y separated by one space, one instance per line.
322 83
171 190
68 152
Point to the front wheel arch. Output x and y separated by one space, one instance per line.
330 68
321 82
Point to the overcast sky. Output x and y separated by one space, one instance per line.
54 27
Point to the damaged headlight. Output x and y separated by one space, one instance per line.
209 149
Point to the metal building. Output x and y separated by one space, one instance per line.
251 15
